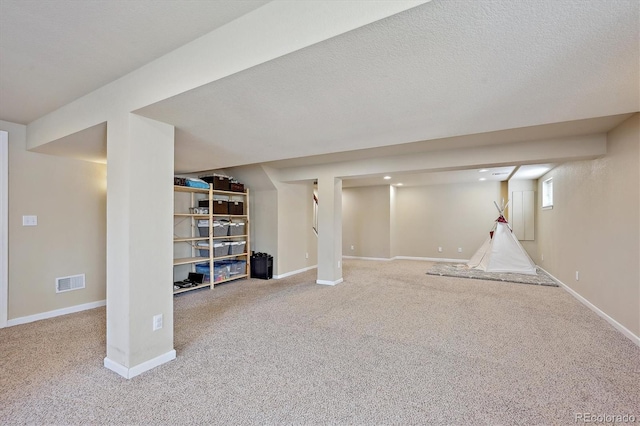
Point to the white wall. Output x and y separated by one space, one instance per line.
415 221
366 222
69 198
297 243
264 221
593 227
281 218
447 216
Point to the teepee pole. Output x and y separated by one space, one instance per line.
499 211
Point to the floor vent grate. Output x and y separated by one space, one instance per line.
74 282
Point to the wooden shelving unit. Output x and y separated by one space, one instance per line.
189 235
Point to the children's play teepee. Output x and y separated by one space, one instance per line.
502 252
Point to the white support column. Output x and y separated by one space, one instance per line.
139 244
329 230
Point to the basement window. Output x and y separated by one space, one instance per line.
547 194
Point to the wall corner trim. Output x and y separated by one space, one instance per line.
324 282
4 227
129 373
56 313
621 328
299 271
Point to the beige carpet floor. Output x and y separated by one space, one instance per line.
390 345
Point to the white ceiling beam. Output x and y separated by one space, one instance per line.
269 32
530 152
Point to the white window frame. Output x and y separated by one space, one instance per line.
547 194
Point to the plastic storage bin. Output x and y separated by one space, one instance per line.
203 252
221 271
237 247
203 268
221 249
236 267
220 228
237 228
239 267
203 228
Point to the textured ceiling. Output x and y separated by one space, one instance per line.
441 75
442 69
54 51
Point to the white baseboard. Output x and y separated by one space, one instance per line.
432 259
299 271
621 328
130 372
324 282
366 258
55 313
428 259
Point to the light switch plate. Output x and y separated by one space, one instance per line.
30 220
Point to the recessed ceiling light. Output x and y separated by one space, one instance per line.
387 177
533 171
483 178
483 170
399 184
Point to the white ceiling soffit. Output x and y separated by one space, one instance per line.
89 144
489 174
443 69
53 52
558 131
493 174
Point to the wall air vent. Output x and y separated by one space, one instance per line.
74 282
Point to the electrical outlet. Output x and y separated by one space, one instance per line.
157 322
459 249
577 275
306 255
542 257
351 247
339 263
439 249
